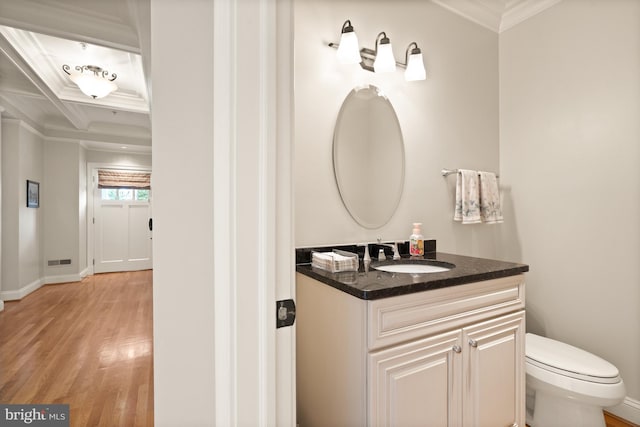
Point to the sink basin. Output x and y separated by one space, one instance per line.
413 266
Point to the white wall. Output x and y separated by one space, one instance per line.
183 283
1 301
570 150
449 120
119 158
82 209
22 160
60 198
31 219
10 201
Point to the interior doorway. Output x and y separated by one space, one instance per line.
120 229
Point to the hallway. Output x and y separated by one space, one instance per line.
87 344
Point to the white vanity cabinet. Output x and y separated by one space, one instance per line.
446 357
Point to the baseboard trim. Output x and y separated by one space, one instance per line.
628 410
22 292
65 278
48 280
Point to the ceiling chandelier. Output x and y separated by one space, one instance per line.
92 80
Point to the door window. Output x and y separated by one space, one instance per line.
124 194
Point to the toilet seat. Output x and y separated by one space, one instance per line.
569 361
568 386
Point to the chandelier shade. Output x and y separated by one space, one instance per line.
92 80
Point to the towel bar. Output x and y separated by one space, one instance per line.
447 172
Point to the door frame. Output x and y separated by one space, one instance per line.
92 186
253 143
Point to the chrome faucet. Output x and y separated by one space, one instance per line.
396 253
366 258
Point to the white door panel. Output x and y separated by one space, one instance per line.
139 239
111 234
122 236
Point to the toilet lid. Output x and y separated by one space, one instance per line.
568 360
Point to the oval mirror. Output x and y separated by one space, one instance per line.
368 157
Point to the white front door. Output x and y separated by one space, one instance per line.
122 235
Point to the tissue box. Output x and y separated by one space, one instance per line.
335 261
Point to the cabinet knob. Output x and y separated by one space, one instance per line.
473 343
457 348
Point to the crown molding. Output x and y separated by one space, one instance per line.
524 11
496 15
474 11
57 18
24 125
118 139
16 114
135 150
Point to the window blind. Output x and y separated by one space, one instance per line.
124 179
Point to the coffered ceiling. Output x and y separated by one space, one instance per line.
37 37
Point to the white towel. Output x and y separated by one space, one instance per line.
467 207
334 262
490 208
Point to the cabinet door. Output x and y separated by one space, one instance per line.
494 378
417 384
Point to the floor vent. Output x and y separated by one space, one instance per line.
54 262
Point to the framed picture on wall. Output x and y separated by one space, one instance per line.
33 194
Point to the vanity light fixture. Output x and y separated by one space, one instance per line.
380 59
348 50
92 80
384 62
414 63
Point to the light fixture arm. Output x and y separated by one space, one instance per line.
415 50
347 27
99 72
66 69
382 40
368 56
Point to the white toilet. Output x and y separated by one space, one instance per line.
567 386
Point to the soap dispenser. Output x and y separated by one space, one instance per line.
416 241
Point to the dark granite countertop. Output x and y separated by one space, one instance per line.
370 284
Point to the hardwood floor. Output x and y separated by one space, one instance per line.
87 344
613 421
